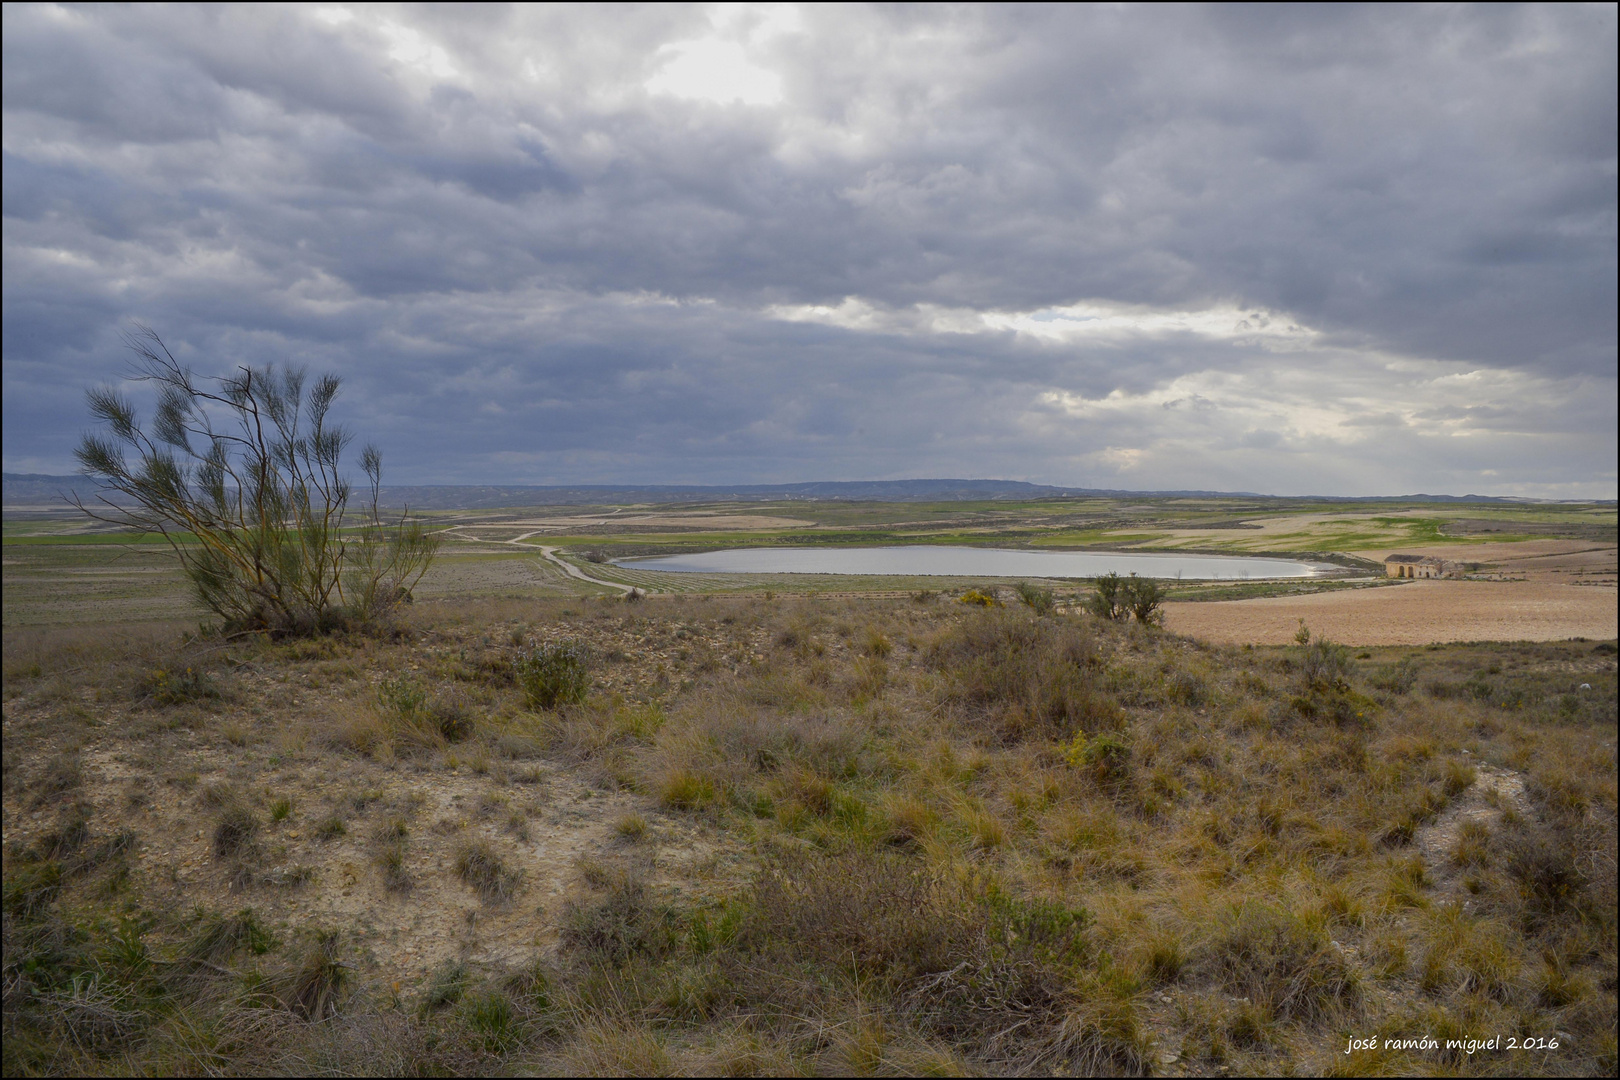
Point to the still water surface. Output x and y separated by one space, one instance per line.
925 560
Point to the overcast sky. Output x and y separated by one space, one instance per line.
1284 249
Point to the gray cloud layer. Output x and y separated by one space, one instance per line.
1359 250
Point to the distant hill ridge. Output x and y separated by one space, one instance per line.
47 490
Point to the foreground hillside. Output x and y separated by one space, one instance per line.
803 836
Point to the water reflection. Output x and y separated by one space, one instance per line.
928 561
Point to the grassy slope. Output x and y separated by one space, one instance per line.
849 836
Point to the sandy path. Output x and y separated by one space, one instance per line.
549 554
573 571
1415 614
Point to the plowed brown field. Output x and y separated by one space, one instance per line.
1418 613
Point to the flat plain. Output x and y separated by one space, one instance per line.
850 826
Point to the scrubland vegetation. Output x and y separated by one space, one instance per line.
241 475
762 836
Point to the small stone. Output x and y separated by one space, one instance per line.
1169 1057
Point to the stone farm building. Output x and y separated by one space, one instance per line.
1420 566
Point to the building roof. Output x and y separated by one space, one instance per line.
1407 558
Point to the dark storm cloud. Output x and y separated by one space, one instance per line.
537 254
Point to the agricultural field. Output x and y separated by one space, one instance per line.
1560 559
543 824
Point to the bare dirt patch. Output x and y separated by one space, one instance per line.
1481 805
1419 613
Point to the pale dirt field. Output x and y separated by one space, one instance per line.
1417 613
698 519
1535 560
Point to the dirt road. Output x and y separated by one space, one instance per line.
573 571
1414 614
549 554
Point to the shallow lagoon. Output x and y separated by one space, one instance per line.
926 560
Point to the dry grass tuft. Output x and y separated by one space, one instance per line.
315 986
62 773
1282 963
235 832
478 864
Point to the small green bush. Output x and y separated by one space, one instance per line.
1144 599
403 696
553 675
451 717
1038 600
1396 678
1322 663
1108 756
1108 602
1120 598
165 686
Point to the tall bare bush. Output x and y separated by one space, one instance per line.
240 474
